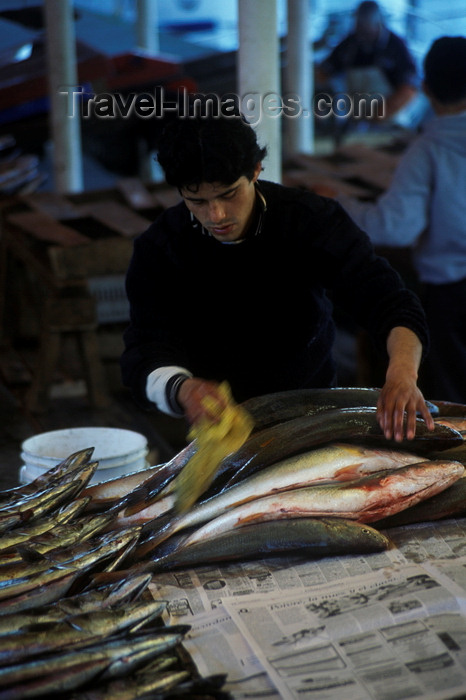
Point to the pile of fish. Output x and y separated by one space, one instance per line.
63 633
315 478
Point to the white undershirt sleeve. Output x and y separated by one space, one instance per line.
156 387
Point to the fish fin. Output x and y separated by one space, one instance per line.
147 547
433 408
115 563
80 457
128 589
30 555
349 473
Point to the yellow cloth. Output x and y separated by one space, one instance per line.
215 440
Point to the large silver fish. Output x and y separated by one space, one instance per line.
337 462
345 424
450 503
109 493
295 436
365 500
307 537
270 409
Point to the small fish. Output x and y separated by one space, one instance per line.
139 652
365 500
63 471
34 561
200 688
32 507
71 510
60 535
164 661
18 579
108 493
132 650
112 595
77 631
55 587
308 537
62 681
140 687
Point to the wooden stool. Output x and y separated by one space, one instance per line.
71 314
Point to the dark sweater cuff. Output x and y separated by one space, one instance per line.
171 392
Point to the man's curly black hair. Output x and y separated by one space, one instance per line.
211 149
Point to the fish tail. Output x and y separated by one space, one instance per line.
143 497
128 590
77 459
103 578
158 530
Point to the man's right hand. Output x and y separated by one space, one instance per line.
190 397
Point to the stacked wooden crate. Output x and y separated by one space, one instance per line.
75 250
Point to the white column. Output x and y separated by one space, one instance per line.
147 33
259 77
299 80
62 75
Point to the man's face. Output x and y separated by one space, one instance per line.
368 28
224 210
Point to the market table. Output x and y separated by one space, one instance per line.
370 627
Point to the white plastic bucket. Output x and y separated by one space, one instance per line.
118 451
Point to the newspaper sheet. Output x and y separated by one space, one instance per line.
398 614
430 541
217 646
405 628
193 592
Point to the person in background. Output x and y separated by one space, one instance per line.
425 208
232 284
374 60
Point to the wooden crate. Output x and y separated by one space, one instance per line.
61 243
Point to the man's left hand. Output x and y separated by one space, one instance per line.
399 403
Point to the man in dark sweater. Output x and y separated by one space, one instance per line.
233 282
